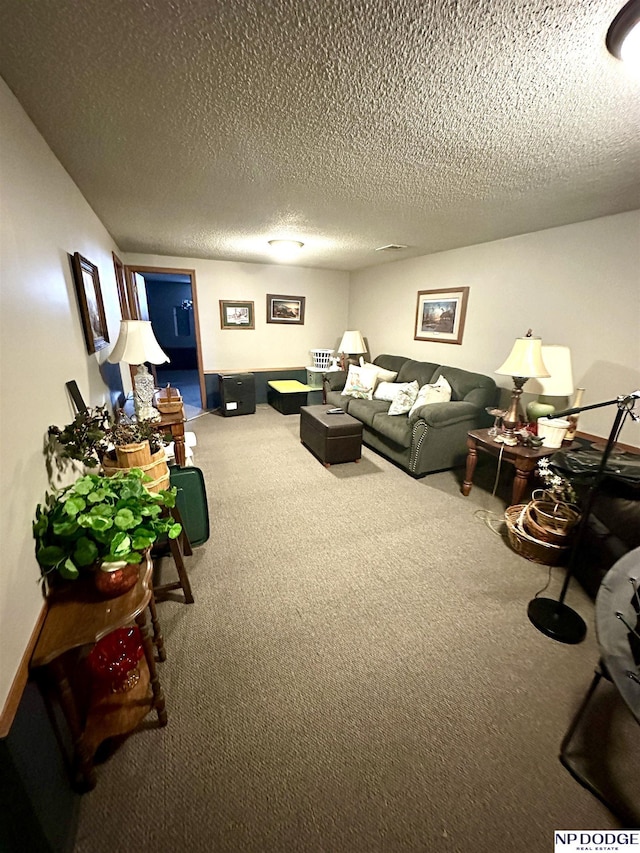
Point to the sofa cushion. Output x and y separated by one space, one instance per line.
360 383
394 429
404 400
335 398
366 410
390 362
436 392
472 387
423 372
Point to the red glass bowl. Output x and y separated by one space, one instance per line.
114 659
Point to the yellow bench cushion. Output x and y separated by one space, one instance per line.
288 386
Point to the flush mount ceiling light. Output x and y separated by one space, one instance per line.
286 245
623 38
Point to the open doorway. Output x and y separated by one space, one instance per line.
168 298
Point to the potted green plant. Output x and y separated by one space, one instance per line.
100 523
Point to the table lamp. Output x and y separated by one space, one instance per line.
523 362
137 344
352 343
559 384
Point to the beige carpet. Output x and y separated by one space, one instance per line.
357 674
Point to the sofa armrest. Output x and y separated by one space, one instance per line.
335 380
446 414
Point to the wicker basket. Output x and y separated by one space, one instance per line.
529 546
550 522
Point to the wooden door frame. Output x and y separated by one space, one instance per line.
129 269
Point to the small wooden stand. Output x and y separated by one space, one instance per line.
76 619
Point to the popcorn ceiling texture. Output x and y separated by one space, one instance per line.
201 129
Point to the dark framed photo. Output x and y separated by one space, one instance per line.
236 315
440 315
94 322
285 309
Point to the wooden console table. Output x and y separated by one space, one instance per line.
76 619
524 459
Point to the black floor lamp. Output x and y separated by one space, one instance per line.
555 618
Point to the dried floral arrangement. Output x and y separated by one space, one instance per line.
557 487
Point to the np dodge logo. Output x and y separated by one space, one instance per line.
606 841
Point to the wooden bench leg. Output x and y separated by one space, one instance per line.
179 548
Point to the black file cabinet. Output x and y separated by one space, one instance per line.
237 394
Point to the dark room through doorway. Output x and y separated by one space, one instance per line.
171 309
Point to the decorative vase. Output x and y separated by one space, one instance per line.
113 579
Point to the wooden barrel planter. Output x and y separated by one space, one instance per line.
139 455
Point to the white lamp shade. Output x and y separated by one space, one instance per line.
352 343
136 344
525 359
560 383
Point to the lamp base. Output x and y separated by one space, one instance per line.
557 620
143 391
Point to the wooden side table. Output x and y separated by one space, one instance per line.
77 618
524 459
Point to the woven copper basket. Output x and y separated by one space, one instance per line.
550 522
528 546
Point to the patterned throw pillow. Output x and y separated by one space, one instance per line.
404 399
360 383
438 392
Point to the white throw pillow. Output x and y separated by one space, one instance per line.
437 392
404 399
388 390
360 383
383 374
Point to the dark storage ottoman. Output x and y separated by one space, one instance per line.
287 395
332 438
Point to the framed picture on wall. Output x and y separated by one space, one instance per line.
94 322
285 309
440 315
236 315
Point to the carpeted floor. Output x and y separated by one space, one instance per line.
357 673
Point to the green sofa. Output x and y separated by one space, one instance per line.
434 437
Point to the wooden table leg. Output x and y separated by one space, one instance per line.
523 467
472 459
83 760
147 645
179 449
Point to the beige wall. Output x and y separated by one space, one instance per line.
578 285
44 218
270 344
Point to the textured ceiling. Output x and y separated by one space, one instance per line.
202 128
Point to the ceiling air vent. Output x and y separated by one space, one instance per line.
392 247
